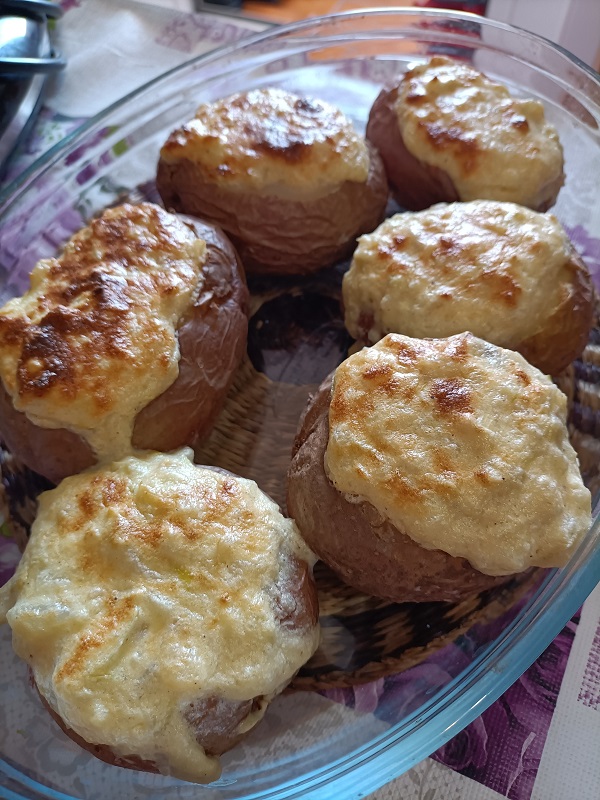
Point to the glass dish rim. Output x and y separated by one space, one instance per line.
512 653
45 161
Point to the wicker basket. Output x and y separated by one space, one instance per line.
296 338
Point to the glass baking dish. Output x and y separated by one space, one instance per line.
431 668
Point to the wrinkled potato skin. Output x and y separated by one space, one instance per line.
212 341
51 452
364 549
414 184
565 333
275 235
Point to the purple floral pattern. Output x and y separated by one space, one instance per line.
185 31
588 248
518 723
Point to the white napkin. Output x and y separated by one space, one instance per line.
114 46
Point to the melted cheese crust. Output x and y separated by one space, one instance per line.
463 447
490 144
146 586
496 269
94 340
273 142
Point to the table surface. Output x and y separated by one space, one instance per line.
541 739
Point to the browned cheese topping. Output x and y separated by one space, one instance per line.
94 339
491 144
271 141
463 446
148 587
496 269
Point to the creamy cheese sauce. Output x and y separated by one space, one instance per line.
496 269
149 585
463 446
94 340
491 144
271 141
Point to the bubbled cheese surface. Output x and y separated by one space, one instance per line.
271 141
462 445
496 269
491 144
146 586
94 340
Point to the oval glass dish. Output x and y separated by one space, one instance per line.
432 667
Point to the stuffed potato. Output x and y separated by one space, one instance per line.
444 466
129 339
507 274
286 177
161 606
446 132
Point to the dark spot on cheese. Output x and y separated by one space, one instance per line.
377 371
523 377
520 123
442 461
463 145
482 477
88 504
450 396
415 95
399 241
46 346
278 142
402 489
308 107
503 286
405 353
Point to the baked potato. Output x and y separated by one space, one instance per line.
99 370
427 470
287 178
446 132
160 606
507 274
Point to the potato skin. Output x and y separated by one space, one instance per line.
274 235
364 549
414 184
566 331
212 341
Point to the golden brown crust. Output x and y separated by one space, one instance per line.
364 549
565 333
212 340
414 184
274 234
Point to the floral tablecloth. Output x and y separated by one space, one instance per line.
541 739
